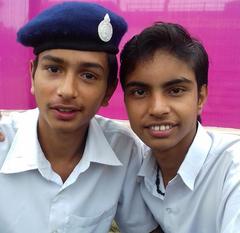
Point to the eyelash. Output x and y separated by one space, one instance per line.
135 92
85 74
174 92
54 69
50 69
180 91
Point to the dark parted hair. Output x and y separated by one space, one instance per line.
169 37
112 66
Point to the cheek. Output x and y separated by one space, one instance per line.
43 90
135 113
94 97
189 109
130 109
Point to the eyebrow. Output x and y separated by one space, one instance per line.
81 64
54 59
179 80
135 83
165 85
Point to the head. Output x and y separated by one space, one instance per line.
164 76
75 69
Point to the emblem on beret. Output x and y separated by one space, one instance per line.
105 29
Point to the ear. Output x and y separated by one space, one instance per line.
31 70
202 97
109 92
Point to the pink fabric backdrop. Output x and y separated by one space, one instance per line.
215 22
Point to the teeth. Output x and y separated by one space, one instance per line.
161 127
64 110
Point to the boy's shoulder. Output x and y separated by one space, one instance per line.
226 144
9 125
119 129
115 126
224 139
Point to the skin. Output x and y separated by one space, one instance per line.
157 230
69 87
163 103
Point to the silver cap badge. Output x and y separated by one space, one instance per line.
105 29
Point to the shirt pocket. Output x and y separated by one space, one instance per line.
99 223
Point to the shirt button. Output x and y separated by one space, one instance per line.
169 210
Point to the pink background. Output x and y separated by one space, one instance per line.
215 22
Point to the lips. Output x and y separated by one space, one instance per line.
64 107
64 112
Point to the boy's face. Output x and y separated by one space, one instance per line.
163 102
69 87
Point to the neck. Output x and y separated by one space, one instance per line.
62 150
170 160
168 165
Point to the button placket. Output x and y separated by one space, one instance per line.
57 217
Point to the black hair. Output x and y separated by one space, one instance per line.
112 65
113 70
169 37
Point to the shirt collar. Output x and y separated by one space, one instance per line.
25 152
192 163
97 150
148 166
195 157
97 147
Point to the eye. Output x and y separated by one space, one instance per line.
88 76
137 92
176 91
53 69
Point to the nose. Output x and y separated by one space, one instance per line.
67 88
159 105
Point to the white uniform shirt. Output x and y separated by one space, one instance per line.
204 196
33 198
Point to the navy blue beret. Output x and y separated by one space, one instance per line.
74 25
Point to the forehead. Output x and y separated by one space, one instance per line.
160 68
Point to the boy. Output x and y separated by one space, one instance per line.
190 179
63 169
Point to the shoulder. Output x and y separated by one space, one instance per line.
11 122
16 118
226 147
113 125
119 135
116 128
224 141
8 126
8 129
